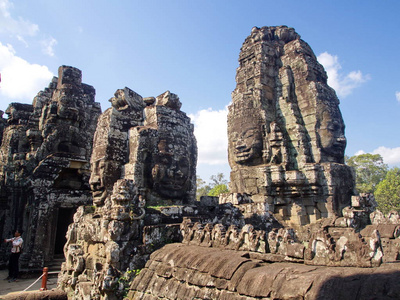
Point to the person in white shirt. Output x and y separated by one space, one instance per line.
13 265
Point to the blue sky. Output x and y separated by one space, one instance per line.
191 48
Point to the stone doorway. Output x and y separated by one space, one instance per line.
65 217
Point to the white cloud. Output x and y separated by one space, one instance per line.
48 46
210 129
23 30
20 80
398 96
343 84
22 40
10 25
359 152
391 156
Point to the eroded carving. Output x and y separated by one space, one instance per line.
144 152
44 163
285 130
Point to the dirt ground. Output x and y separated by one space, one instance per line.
23 283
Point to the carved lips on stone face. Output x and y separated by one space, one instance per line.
247 143
170 172
331 133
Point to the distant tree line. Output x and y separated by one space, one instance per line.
374 176
218 185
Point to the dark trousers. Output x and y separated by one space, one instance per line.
13 265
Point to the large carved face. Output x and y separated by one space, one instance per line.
331 134
123 191
104 175
247 144
96 182
171 171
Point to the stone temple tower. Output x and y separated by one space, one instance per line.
285 131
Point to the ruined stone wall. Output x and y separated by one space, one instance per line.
144 156
285 131
44 164
180 271
165 165
330 259
291 199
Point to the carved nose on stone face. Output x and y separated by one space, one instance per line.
240 145
95 182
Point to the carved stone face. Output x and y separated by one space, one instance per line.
122 191
171 172
104 175
331 133
247 144
96 182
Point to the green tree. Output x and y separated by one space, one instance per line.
218 185
218 189
218 179
370 170
202 188
387 193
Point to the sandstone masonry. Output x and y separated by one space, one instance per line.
292 226
44 165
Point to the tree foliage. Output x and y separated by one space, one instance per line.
218 189
370 170
218 180
217 186
387 193
202 188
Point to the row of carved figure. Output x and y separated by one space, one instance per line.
331 243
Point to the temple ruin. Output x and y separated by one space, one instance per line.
44 165
144 154
291 227
286 132
303 232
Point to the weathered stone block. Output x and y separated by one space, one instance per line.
280 139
